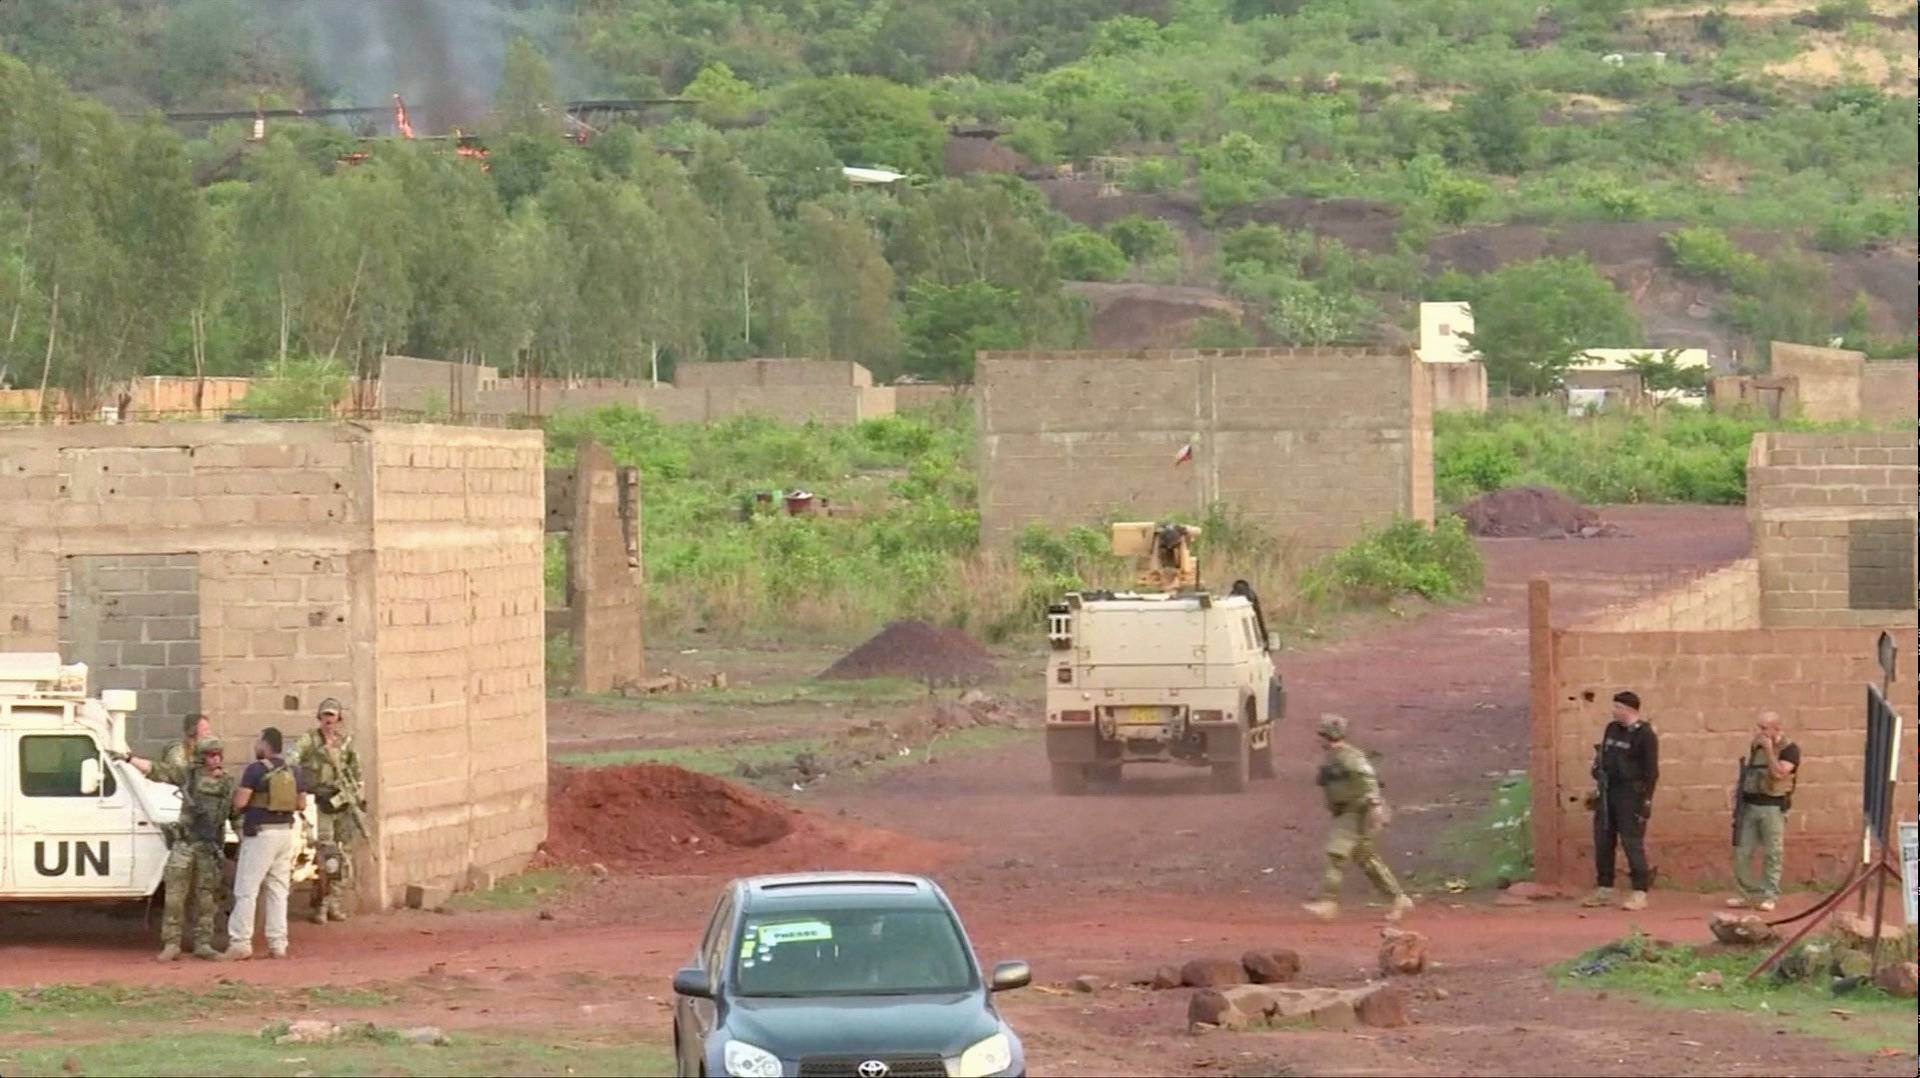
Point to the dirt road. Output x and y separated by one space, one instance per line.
1116 884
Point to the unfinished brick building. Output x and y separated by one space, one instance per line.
1314 445
1791 629
252 569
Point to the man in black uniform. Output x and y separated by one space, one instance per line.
1626 766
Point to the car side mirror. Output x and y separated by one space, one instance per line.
693 983
1011 975
1273 641
90 776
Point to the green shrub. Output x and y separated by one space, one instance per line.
297 389
1707 254
1083 255
1153 175
1440 563
1143 238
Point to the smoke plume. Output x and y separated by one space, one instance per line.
442 56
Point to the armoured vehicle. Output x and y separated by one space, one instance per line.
76 824
1167 673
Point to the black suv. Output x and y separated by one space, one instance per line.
818 974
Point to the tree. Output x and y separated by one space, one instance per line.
868 121
948 324
849 286
795 164
1143 239
1532 318
1502 122
723 98
1084 255
526 96
1662 375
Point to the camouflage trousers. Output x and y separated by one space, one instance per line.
193 873
335 829
1351 839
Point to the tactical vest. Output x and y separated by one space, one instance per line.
282 790
1343 779
1760 779
204 808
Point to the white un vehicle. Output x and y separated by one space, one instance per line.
76 824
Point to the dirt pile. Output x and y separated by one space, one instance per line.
878 742
1532 513
652 816
916 650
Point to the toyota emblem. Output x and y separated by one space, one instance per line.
873 1068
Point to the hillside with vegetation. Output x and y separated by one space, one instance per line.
1170 172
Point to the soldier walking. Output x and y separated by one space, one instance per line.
1359 812
327 758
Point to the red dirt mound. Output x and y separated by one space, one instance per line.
914 649
1532 513
650 816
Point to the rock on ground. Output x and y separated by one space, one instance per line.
1856 930
1741 928
1241 1006
1212 973
308 1031
1900 979
1164 978
1385 1008
1088 983
1402 951
430 1035
1271 967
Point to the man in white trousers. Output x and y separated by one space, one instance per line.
270 793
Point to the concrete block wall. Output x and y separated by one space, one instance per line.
137 619
1828 379
604 597
1703 691
1890 392
1458 386
458 602
1807 497
1777 396
771 372
1315 445
924 395
409 587
1728 598
411 382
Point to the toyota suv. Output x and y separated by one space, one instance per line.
819 974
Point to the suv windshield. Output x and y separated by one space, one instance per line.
851 952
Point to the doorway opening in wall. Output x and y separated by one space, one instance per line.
134 619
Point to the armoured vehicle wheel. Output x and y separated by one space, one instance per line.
1230 776
1069 779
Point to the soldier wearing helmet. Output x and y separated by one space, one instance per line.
1352 791
196 856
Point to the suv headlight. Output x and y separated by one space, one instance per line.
985 1058
743 1060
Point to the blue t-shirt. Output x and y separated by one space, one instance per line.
255 778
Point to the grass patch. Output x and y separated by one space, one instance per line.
868 691
522 892
211 1052
327 995
1664 976
1496 844
1668 456
771 755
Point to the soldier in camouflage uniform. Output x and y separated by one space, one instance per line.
174 767
326 756
199 846
1353 797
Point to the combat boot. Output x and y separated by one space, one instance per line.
168 953
1601 896
205 951
318 916
1635 901
336 913
1402 905
1325 908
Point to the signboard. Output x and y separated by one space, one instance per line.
1910 868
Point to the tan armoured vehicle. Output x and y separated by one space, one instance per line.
1168 673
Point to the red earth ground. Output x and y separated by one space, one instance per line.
1113 885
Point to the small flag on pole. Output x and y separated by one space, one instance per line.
1185 455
